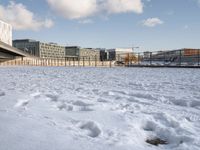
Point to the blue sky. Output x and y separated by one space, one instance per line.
150 24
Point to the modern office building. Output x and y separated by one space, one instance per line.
40 49
89 52
52 50
147 55
77 52
103 54
118 53
72 52
191 52
5 33
180 55
28 45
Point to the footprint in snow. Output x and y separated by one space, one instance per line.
52 97
74 106
101 100
82 106
90 128
2 93
81 103
195 104
63 106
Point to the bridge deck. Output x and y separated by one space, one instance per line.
7 51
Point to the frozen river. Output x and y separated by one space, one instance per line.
57 108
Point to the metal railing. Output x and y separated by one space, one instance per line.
177 58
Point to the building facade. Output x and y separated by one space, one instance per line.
52 50
5 33
177 56
103 54
89 52
40 49
118 53
28 45
72 52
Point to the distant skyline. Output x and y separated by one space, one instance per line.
150 24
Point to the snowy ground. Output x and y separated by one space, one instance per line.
55 108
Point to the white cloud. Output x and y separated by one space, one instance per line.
74 9
21 18
152 22
123 6
78 9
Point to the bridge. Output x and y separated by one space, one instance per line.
8 52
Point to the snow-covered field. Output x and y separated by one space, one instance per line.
57 108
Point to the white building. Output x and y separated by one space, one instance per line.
5 33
